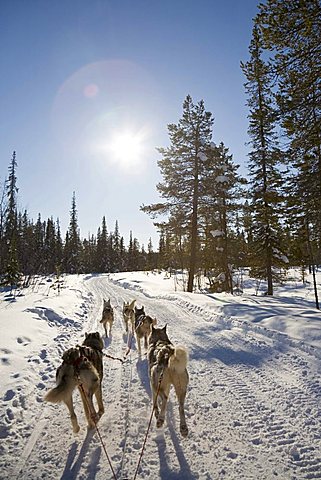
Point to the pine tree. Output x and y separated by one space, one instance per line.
72 251
26 245
12 269
264 157
59 248
151 259
222 191
11 210
122 255
50 262
103 252
39 242
117 263
291 31
2 231
182 167
133 254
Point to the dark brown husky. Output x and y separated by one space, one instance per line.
81 367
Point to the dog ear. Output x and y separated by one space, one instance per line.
155 321
86 334
164 328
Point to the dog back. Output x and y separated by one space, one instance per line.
92 349
163 353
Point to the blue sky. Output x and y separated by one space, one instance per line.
88 87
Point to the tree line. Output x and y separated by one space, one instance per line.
210 219
30 247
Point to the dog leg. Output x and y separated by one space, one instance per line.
105 330
180 388
99 398
89 408
163 395
69 403
155 398
138 345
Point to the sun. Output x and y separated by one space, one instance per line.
126 148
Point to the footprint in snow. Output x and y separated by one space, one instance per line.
43 354
9 395
24 340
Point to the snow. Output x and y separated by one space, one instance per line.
202 156
221 179
253 404
217 233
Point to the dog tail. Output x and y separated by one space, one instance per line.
178 361
64 388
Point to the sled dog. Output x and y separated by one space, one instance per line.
167 366
143 325
81 367
107 317
129 316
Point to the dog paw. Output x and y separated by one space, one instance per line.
184 430
76 428
160 422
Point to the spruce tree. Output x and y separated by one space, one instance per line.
292 31
222 190
11 234
117 263
265 178
103 253
72 251
39 242
2 231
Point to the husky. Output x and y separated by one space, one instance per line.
82 367
129 316
107 317
167 366
143 325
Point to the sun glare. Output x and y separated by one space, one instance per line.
126 148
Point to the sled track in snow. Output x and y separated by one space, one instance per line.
275 424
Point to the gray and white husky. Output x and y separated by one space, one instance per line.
129 316
167 366
82 367
107 317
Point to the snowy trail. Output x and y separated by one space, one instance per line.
253 404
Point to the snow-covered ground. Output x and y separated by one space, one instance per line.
253 405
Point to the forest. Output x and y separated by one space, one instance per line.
210 219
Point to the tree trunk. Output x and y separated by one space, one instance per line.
194 231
